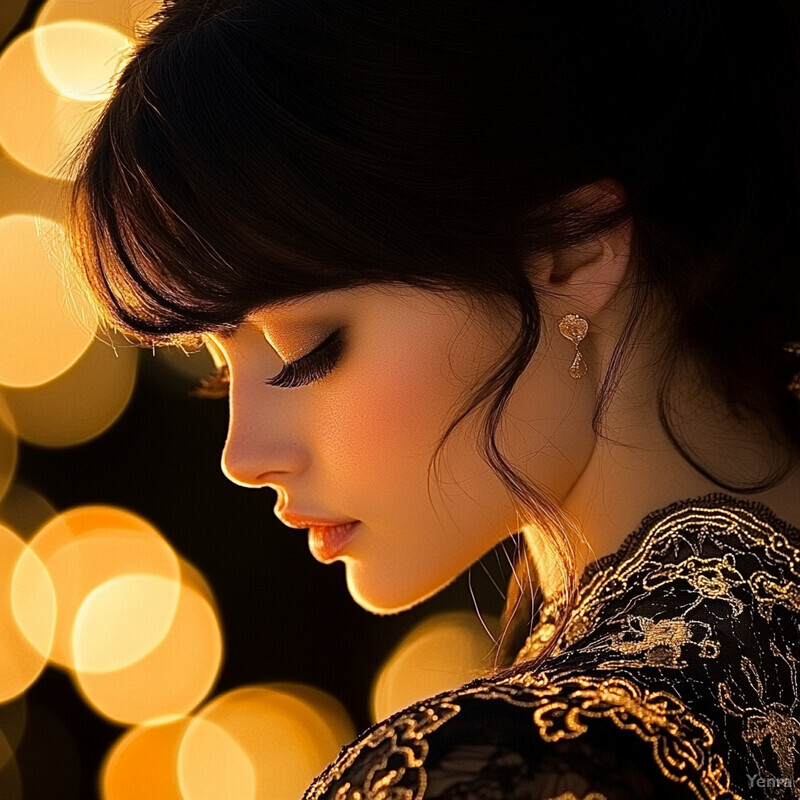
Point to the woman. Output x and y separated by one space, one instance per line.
477 268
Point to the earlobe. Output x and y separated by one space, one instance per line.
585 277
588 276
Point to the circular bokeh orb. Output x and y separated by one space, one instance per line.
441 653
81 59
285 735
143 763
124 15
87 546
43 331
80 404
39 127
27 615
174 677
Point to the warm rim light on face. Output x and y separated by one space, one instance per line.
357 441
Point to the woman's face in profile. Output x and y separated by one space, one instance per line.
348 432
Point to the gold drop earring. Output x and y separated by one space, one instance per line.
575 328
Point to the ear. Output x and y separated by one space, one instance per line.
583 279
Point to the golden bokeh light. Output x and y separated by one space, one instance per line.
42 331
81 58
23 655
85 547
326 706
287 732
143 763
73 523
82 403
124 15
212 764
27 192
8 448
122 621
441 653
39 127
33 601
172 679
24 510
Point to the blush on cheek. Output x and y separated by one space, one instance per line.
381 416
383 425
402 408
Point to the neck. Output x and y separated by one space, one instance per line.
635 468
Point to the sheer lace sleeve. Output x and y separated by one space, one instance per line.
493 749
495 753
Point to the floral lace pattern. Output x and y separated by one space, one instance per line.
677 678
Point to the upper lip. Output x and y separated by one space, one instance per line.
299 520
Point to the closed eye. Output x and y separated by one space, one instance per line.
309 368
313 366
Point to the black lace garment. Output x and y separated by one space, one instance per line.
678 678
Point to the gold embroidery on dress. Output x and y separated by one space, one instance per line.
771 721
661 642
402 742
770 593
711 578
562 706
608 584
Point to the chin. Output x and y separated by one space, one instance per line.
389 595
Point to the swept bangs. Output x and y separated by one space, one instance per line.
226 173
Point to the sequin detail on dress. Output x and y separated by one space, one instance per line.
677 678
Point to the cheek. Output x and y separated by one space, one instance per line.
384 422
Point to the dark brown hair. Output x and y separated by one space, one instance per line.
257 150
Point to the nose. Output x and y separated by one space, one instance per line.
263 446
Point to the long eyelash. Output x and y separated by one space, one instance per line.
214 386
317 364
312 367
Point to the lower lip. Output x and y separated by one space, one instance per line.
326 542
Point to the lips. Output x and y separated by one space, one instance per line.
327 538
326 542
294 519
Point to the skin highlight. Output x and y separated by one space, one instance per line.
358 443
